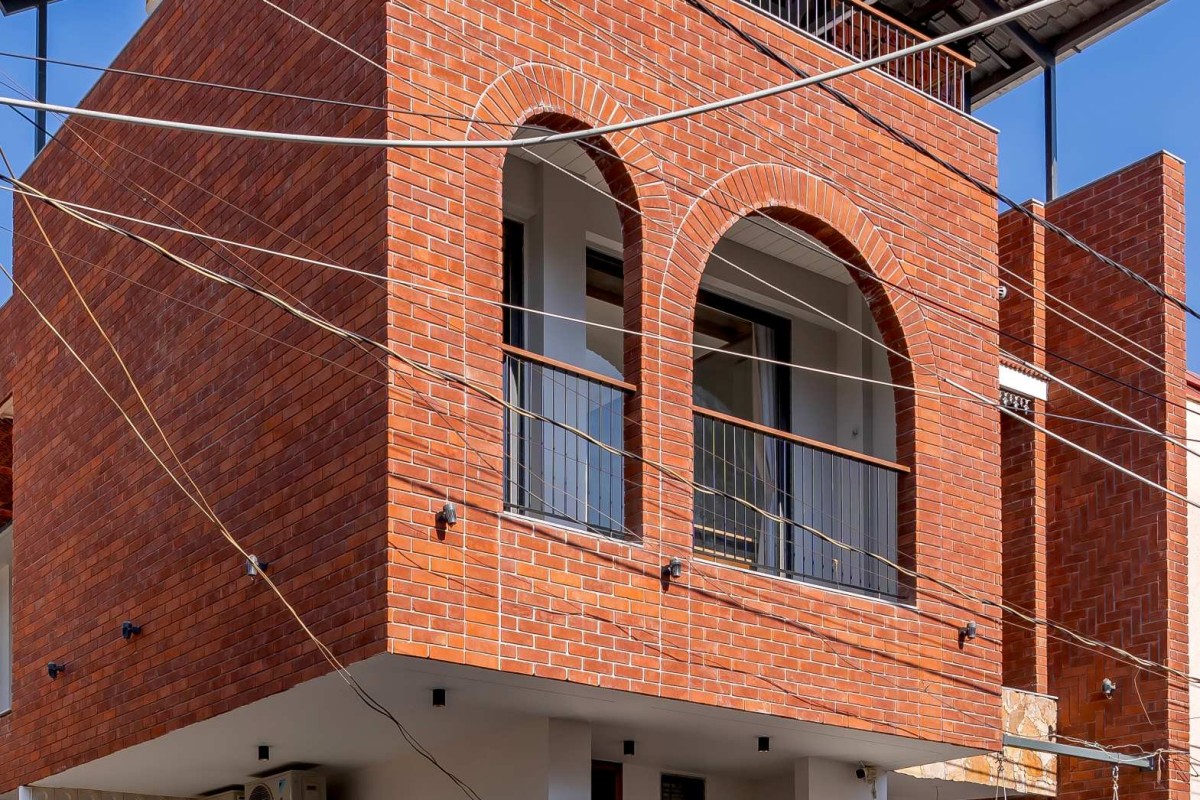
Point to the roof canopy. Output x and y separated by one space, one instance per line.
13 6
1009 54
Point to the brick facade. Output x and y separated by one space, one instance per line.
1116 550
1023 452
335 475
289 447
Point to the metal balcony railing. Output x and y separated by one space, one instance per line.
552 472
849 497
862 32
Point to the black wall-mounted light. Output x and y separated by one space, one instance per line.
54 669
629 747
968 632
254 566
439 698
764 744
448 515
672 569
264 752
129 630
1108 687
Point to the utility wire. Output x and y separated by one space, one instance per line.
448 292
465 118
472 119
242 89
205 508
912 143
761 220
664 469
474 144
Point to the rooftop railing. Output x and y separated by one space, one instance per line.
862 32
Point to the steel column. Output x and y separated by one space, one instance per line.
39 127
1050 83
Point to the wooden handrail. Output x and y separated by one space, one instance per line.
595 377
873 11
791 437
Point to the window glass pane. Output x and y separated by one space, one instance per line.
725 380
605 306
514 282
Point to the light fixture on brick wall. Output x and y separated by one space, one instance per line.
129 630
254 566
448 515
54 669
439 698
1108 687
764 744
672 569
967 633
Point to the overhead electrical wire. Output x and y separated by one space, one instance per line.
666 470
728 597
470 144
1052 634
205 509
790 234
580 320
912 143
762 220
464 118
201 84
390 280
459 118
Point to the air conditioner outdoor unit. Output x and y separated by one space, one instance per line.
287 786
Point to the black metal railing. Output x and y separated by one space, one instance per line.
553 472
803 487
863 33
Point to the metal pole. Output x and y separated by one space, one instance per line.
1050 84
1086 753
39 132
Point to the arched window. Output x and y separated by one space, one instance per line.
795 423
565 350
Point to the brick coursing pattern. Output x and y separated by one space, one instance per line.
289 448
1117 549
1023 452
539 600
336 477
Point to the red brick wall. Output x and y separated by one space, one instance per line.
1023 452
571 606
293 451
1117 549
289 448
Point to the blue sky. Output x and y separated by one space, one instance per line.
1124 98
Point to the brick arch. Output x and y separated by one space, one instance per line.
815 207
564 100
812 205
